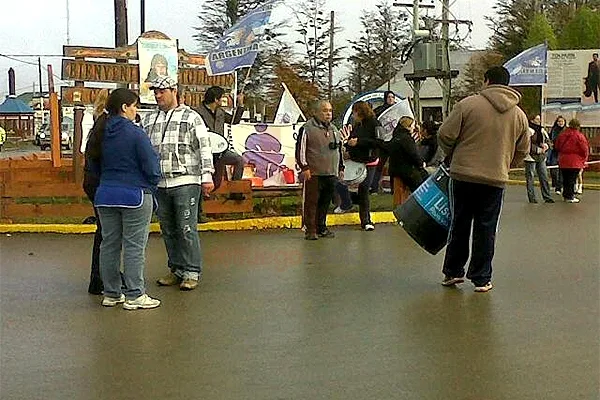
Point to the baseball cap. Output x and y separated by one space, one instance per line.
163 82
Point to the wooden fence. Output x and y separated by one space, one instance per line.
30 188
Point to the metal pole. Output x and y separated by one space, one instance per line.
40 74
331 46
142 16
68 24
447 83
417 83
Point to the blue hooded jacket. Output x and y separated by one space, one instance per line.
128 161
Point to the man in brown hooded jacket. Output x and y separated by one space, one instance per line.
484 136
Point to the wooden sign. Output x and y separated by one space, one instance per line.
91 71
82 96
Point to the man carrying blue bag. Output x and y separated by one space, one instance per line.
483 137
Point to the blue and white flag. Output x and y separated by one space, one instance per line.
239 45
529 68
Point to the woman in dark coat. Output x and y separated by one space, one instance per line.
552 159
406 165
361 147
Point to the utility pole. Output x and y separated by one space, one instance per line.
331 33
121 38
68 24
40 75
417 82
446 81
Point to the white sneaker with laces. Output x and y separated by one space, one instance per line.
144 301
485 288
573 200
339 210
113 301
369 227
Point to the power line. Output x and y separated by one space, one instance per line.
34 55
17 60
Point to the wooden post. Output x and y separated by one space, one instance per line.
77 137
55 130
121 37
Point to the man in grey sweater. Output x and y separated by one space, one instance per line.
319 156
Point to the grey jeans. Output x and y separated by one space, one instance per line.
124 230
178 216
538 166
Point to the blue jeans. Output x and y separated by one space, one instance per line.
124 230
538 166
479 206
178 216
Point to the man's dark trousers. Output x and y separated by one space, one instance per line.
318 194
479 205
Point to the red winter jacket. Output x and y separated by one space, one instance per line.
573 149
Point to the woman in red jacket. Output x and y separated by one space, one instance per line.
573 150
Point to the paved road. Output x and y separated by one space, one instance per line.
27 149
361 316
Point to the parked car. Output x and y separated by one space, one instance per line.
66 135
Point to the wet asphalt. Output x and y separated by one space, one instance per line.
361 316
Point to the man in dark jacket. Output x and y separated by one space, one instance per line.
319 156
215 119
593 77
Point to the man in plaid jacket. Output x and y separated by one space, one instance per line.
181 139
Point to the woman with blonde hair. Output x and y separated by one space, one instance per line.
90 184
406 168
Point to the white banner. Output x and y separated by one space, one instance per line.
288 110
270 148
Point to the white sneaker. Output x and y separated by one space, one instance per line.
369 227
485 288
573 200
340 210
144 301
113 301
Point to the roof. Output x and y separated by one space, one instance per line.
15 106
430 89
27 97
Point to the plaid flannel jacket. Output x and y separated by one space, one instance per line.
181 139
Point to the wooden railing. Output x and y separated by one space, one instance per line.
30 188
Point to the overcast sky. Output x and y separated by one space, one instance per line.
40 27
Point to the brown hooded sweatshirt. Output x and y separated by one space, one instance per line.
485 135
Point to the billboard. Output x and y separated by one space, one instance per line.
157 57
572 75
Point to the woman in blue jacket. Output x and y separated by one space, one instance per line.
121 154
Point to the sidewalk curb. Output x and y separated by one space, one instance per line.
294 222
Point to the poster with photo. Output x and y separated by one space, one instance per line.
573 76
157 57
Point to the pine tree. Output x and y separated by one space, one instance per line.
216 16
540 31
376 54
313 27
583 31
